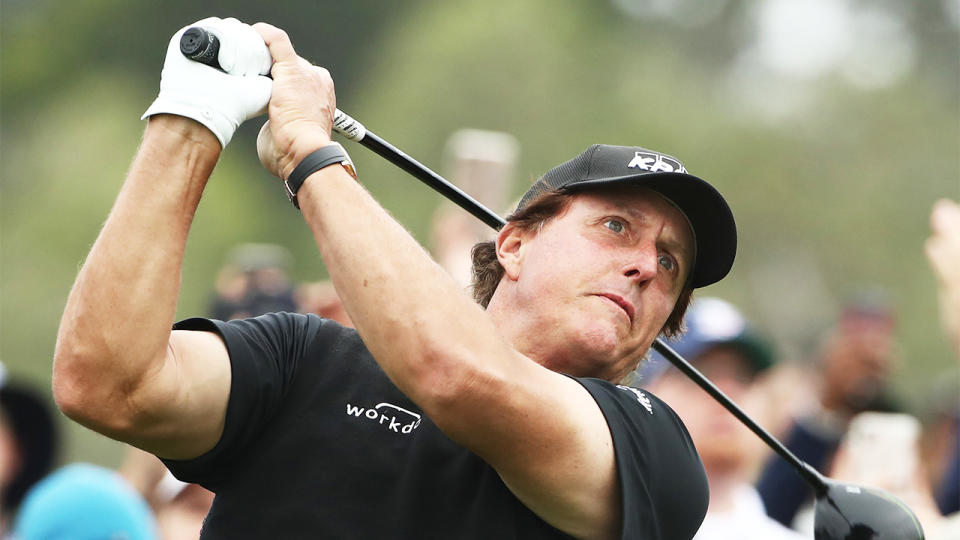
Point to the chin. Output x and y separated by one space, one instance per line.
593 354
600 338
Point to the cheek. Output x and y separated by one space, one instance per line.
540 281
553 266
658 304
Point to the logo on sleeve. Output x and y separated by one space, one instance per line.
641 397
653 162
391 417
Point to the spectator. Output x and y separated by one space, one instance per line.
719 343
181 513
855 361
84 502
179 507
254 281
28 442
881 450
320 298
481 164
943 252
941 440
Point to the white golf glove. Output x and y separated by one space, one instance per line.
220 100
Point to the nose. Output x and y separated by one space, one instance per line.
641 264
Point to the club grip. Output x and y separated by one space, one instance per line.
200 45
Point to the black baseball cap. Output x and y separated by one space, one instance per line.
714 230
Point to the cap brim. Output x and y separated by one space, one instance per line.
708 212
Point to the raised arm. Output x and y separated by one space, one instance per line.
118 368
540 430
943 252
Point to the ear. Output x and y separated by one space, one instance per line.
510 249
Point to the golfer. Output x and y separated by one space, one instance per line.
437 417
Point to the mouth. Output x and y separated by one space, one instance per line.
622 303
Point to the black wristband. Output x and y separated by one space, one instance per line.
331 154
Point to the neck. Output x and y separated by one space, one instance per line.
512 327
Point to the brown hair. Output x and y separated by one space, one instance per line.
487 270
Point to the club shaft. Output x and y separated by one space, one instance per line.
814 478
432 179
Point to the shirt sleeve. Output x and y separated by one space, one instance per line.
662 481
265 353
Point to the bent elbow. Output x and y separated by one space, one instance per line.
63 383
86 396
103 409
68 399
68 385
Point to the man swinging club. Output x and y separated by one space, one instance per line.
436 418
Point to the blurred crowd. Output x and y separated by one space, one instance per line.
835 408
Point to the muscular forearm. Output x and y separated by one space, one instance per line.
426 334
116 324
412 315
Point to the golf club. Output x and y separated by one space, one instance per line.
841 511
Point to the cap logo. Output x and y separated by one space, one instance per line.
652 162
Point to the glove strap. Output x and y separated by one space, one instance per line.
332 154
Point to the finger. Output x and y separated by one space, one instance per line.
324 74
266 149
257 96
264 134
259 61
226 32
278 42
327 79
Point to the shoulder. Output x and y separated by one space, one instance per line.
268 322
641 418
663 483
631 402
273 359
281 332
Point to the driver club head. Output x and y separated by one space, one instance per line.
848 512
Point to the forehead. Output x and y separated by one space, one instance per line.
639 203
629 197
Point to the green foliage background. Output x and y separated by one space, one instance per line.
826 203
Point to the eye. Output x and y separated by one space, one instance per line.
667 262
614 225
